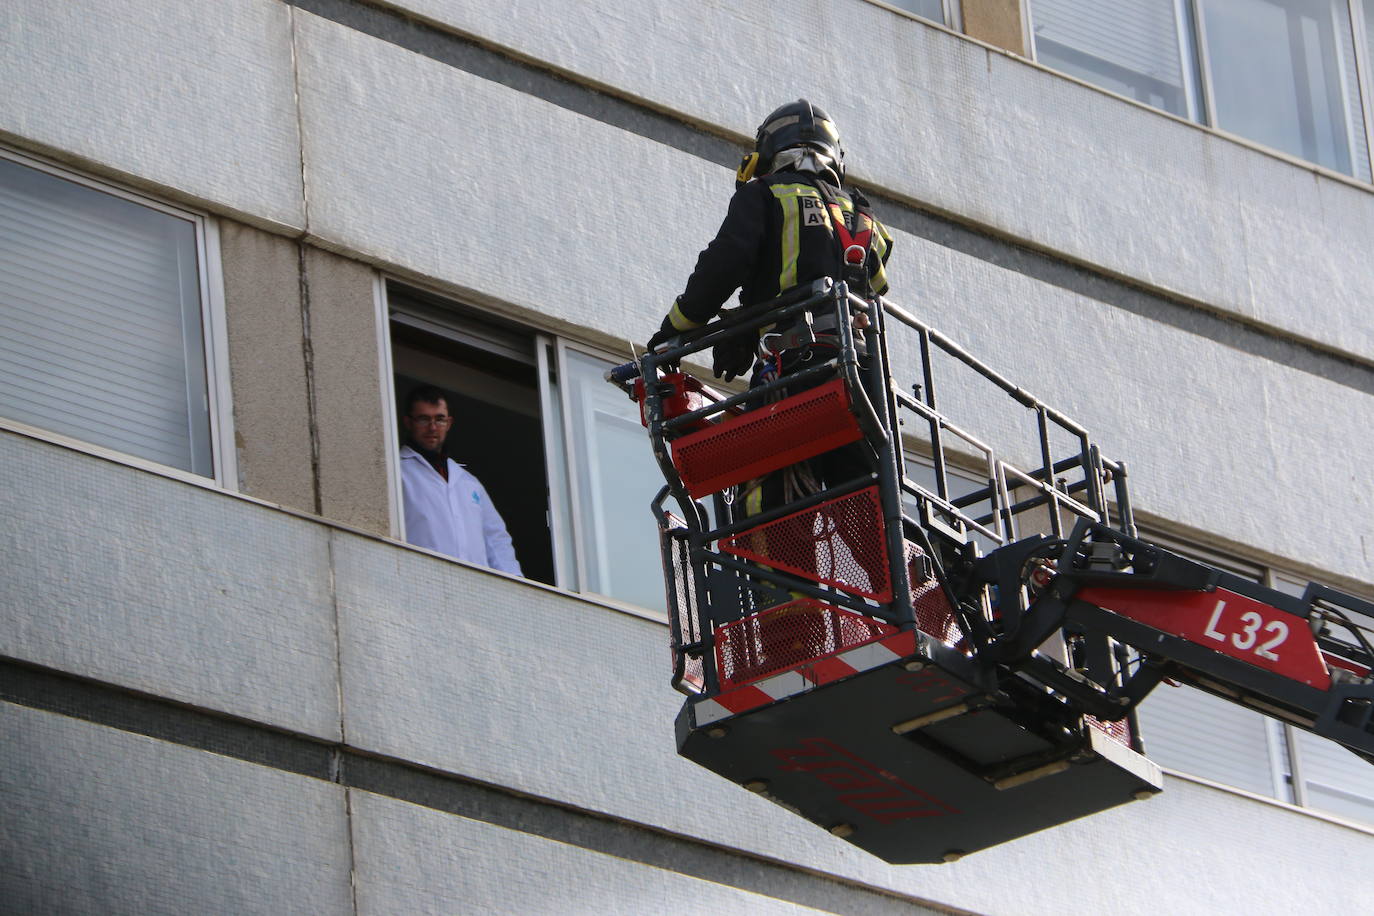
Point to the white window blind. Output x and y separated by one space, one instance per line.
934 10
1196 733
1128 46
100 320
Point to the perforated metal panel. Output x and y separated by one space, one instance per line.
1119 730
934 616
785 636
681 600
840 542
766 439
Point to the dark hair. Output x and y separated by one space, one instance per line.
427 394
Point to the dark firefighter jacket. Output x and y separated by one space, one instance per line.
777 234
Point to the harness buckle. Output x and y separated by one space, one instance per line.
855 254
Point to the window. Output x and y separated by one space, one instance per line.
944 12
611 475
1132 47
1291 74
102 327
1321 774
561 453
1283 73
489 375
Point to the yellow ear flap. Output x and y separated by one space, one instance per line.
746 168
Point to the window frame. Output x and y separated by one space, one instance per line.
213 330
564 495
1199 82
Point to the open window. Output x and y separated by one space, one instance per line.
489 371
561 453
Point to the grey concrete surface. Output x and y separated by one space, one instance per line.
467 671
347 391
468 182
992 139
101 821
1215 439
414 860
262 310
195 98
165 587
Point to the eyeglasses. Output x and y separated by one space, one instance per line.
440 420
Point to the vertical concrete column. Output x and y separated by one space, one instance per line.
998 22
262 305
346 386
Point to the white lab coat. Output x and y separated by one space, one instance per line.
453 516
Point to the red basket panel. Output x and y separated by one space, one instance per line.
934 616
788 635
1119 731
766 439
839 543
687 394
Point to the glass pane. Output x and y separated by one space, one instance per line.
1283 74
1198 734
614 478
1367 28
927 9
1128 46
100 320
1337 781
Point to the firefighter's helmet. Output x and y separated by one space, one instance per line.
795 124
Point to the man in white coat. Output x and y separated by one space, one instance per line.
446 508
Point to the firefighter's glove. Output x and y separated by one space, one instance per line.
665 333
733 357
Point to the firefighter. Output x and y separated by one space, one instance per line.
791 221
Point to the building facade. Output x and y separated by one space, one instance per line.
232 235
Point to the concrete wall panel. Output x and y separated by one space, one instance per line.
415 860
477 185
994 140
262 305
192 97
165 587
463 670
347 390
1216 439
103 821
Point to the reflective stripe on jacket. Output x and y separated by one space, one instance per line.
777 234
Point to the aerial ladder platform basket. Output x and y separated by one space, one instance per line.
924 669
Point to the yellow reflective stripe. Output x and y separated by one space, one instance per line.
791 240
787 195
753 500
679 320
882 242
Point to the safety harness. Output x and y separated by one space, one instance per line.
854 248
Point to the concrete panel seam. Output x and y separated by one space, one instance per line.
308 354
300 125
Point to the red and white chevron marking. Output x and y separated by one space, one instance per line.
806 676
